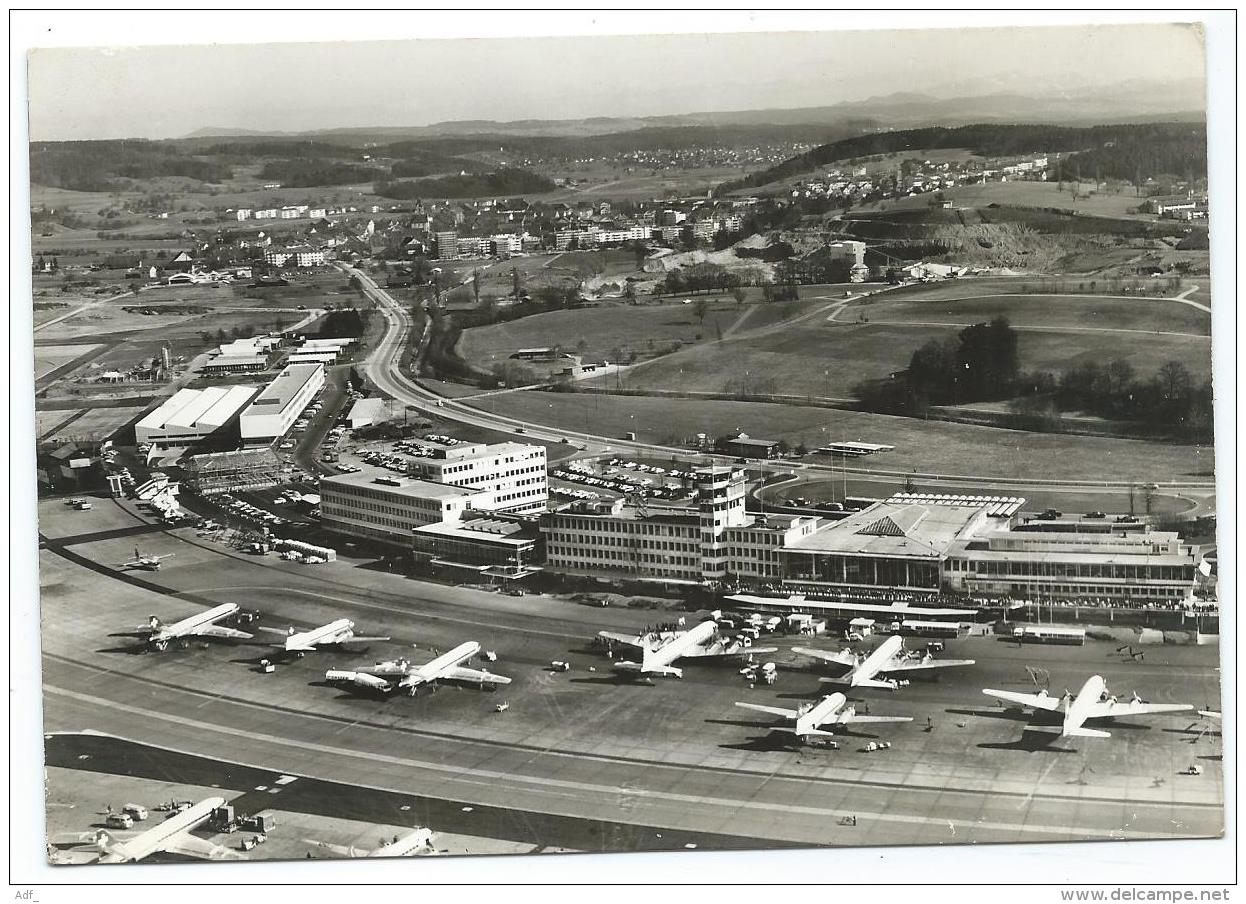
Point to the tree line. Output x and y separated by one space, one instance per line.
981 364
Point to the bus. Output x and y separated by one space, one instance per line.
1049 634
931 628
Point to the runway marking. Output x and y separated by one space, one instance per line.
492 778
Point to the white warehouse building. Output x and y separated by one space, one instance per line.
275 410
192 415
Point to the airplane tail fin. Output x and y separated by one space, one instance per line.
154 623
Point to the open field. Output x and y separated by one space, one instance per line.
612 183
640 329
1028 194
827 358
49 357
98 423
925 446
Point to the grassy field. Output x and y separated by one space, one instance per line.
641 329
1028 194
826 359
925 446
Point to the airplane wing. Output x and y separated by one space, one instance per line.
340 849
458 673
704 652
773 710
220 631
917 665
188 845
854 718
1112 708
839 657
1038 701
630 639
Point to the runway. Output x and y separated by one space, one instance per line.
674 756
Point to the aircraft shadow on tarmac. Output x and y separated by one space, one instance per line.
614 679
771 742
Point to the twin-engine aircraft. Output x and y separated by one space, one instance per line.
888 658
401 675
335 633
145 562
809 719
657 656
1091 702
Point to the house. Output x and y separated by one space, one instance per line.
182 262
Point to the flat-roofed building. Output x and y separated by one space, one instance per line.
885 547
192 415
514 473
379 506
491 540
1132 566
275 410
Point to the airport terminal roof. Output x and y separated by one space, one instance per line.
908 530
482 530
897 610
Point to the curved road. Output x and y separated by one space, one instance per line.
382 367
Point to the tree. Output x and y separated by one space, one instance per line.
739 295
701 307
476 286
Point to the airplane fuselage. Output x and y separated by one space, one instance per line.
153 839
188 626
876 661
823 711
1078 708
334 632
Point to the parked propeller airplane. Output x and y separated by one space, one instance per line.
888 658
414 844
400 674
148 562
1091 702
336 632
658 655
810 718
202 625
171 836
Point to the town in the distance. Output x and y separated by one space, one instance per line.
626 487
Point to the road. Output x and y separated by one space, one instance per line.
382 368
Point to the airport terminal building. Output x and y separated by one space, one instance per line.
380 506
907 547
513 473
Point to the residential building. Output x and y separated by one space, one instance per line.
243 213
447 245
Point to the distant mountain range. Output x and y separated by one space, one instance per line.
1134 101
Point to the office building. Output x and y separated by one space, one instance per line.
514 474
377 505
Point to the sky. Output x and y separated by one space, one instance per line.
170 91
